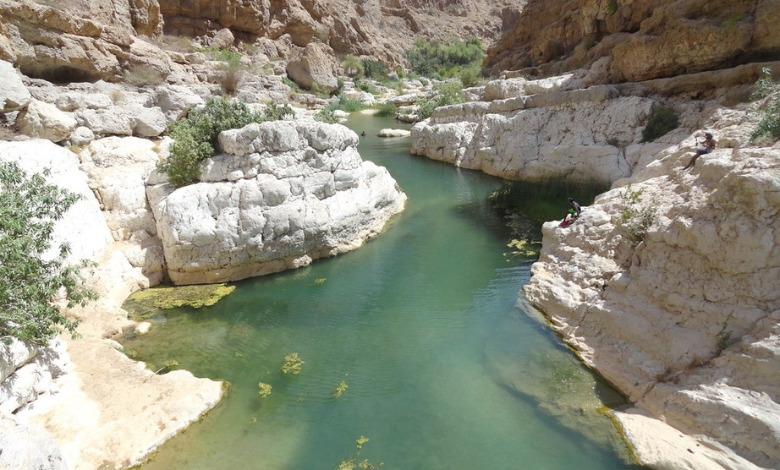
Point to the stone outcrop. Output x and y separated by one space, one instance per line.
641 39
379 29
283 194
582 135
28 447
314 65
686 322
74 40
13 94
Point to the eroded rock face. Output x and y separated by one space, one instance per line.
685 323
283 194
77 40
13 93
645 38
581 135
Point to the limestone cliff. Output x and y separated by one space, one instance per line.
642 39
685 323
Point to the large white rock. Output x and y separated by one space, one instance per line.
14 354
26 447
283 194
578 136
176 101
118 168
687 323
45 121
13 94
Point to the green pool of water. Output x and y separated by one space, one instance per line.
444 368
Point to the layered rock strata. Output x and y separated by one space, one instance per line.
283 194
539 130
686 322
640 40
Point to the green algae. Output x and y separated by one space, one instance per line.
145 304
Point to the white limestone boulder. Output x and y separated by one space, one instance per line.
176 101
14 354
283 194
13 94
27 447
45 121
393 133
118 168
543 139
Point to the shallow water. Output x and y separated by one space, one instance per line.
444 369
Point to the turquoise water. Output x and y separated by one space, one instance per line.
444 369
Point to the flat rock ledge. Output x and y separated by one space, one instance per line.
687 323
282 194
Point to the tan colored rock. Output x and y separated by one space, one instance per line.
13 94
314 65
45 121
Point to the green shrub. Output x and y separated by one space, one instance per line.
636 220
352 66
375 69
386 110
346 104
30 285
326 115
444 58
662 120
287 81
445 94
470 76
196 136
769 125
611 7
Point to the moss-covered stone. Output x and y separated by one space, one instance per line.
147 302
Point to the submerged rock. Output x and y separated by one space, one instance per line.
283 194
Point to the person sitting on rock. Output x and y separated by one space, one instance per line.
576 206
707 146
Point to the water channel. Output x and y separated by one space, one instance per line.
445 368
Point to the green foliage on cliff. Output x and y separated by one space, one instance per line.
31 277
634 218
447 59
662 120
374 69
767 90
196 136
445 94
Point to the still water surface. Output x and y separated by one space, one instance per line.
445 370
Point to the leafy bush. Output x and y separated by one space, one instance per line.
769 125
29 285
346 104
444 94
196 136
447 58
374 69
470 76
387 110
287 81
326 115
662 120
636 221
352 66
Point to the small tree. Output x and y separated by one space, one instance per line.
352 66
29 284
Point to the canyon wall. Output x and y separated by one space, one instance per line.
641 39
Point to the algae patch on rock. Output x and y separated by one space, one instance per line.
146 303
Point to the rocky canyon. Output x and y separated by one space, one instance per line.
683 318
